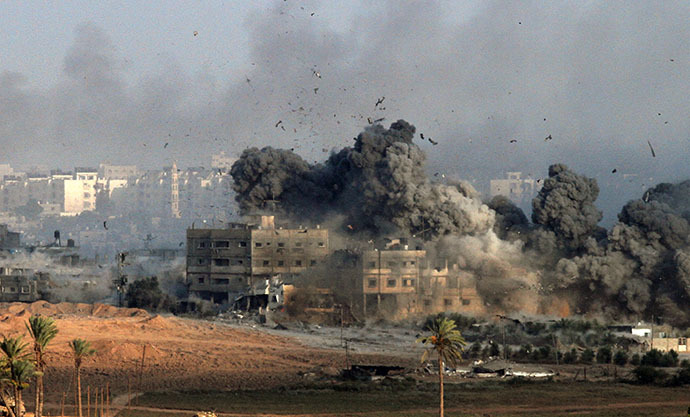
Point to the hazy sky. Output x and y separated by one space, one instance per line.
86 82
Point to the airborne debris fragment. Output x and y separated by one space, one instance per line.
548 138
614 171
379 101
651 149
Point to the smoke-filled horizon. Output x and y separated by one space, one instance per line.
489 83
561 262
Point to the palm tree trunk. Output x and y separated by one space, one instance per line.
18 402
79 390
37 398
440 380
17 399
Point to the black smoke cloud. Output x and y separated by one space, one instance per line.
379 185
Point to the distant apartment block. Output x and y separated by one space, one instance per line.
514 187
222 161
121 172
225 263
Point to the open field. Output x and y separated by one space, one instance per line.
239 370
408 398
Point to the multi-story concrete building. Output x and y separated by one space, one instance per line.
225 263
517 189
399 280
120 172
221 161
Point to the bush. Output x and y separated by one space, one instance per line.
474 350
635 359
681 378
670 358
493 349
657 358
620 358
146 293
570 357
685 363
652 358
604 355
587 356
645 374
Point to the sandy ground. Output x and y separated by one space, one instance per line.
180 353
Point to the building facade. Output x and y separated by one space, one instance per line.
223 264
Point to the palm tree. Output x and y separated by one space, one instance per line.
80 350
445 339
18 369
42 331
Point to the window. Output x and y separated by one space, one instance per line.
242 244
465 302
408 283
412 262
281 244
201 261
221 281
281 263
258 244
25 290
201 244
447 302
392 264
298 244
372 283
427 303
682 341
390 283
322 245
298 262
221 262
221 244
372 264
201 280
87 195
312 262
266 263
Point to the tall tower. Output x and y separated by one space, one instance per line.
174 194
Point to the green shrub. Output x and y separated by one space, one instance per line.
587 356
635 359
604 355
620 358
570 357
645 374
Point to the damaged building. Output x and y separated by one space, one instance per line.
242 259
400 280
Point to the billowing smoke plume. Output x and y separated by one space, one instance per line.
378 187
642 267
379 184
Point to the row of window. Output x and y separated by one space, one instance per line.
392 282
218 281
280 262
203 244
264 263
13 290
447 302
393 264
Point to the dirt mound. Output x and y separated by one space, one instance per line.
45 308
157 322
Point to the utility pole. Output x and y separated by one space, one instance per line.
121 280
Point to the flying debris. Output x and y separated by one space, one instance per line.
614 171
651 149
433 142
316 89
547 138
379 120
195 33
379 101
279 122
513 140
105 224
166 145
315 73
